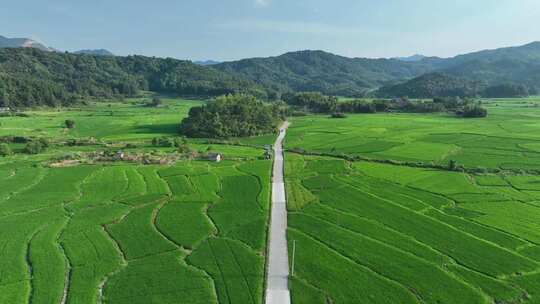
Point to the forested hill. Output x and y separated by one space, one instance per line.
504 72
337 75
433 85
324 72
31 77
439 84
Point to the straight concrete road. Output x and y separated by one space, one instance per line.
277 275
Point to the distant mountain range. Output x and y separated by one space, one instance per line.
338 75
29 43
22 42
511 69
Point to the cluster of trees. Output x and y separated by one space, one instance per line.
473 111
36 146
30 77
319 103
167 142
33 145
315 102
180 143
236 115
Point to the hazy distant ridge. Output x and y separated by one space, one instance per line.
22 42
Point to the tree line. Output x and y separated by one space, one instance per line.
315 102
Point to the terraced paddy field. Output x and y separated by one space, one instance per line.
134 234
189 232
372 232
388 234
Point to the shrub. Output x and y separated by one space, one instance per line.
474 111
338 115
35 147
162 142
179 141
5 150
70 124
452 164
298 113
156 102
44 142
184 149
14 139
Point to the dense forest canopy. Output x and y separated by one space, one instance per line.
439 84
227 116
323 72
508 90
433 85
30 77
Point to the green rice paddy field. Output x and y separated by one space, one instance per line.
192 232
509 138
370 232
195 231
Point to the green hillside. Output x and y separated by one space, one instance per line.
324 72
30 77
337 75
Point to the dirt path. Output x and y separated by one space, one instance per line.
277 276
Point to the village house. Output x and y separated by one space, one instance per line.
120 155
215 157
4 109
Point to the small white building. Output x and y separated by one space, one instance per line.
4 109
215 157
120 155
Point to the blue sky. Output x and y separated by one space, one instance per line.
233 29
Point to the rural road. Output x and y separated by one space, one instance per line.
277 275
